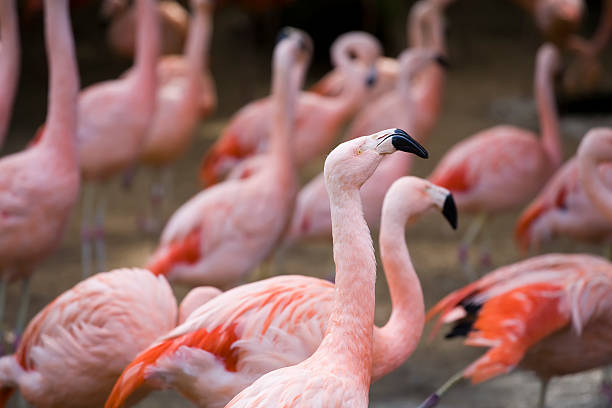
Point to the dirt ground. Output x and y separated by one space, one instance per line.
490 83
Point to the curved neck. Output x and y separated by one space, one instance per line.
547 111
590 178
352 318
9 61
60 127
147 48
398 339
197 47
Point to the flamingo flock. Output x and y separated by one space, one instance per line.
237 338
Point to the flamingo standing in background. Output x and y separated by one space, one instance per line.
500 168
255 328
246 216
550 314
121 35
186 89
318 118
74 350
114 117
564 209
9 62
39 186
413 105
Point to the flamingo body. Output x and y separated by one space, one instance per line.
75 348
494 170
549 314
564 209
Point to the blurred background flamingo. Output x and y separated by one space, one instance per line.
487 179
10 55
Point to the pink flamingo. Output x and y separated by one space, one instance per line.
256 328
549 314
595 149
318 118
121 36
39 186
73 350
413 105
9 63
487 179
196 298
246 216
185 91
114 117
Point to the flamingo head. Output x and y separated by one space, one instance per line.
410 197
557 19
351 163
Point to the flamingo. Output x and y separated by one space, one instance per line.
74 349
413 105
40 185
247 216
114 117
487 179
565 206
250 330
9 62
550 314
121 36
339 372
196 298
593 150
185 92
318 118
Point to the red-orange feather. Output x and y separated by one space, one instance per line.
218 342
454 178
186 251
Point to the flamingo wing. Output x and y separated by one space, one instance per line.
257 328
517 306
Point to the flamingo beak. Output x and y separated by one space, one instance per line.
372 77
449 210
442 61
404 142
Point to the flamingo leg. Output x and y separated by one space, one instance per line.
86 230
543 389
22 313
486 262
470 236
100 243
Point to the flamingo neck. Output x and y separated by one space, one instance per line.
590 177
398 339
547 111
60 128
198 48
147 51
285 93
9 61
349 335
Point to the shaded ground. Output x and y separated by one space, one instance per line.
490 82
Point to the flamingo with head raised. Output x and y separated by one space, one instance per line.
250 330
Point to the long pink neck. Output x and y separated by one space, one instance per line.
60 128
397 339
549 119
348 340
147 51
198 48
9 62
285 89
345 103
589 158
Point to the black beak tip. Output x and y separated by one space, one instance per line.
404 142
442 61
282 34
449 210
372 78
